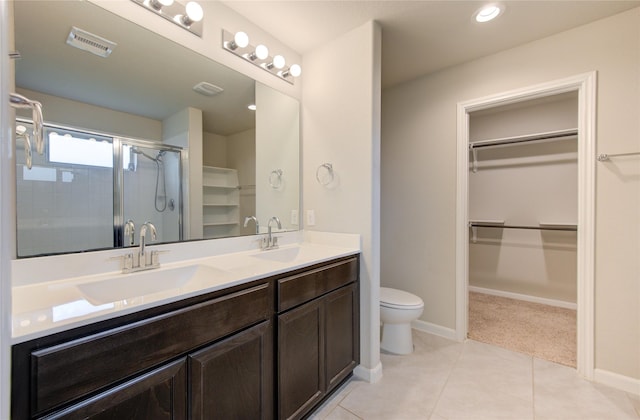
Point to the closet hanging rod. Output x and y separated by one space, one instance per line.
503 226
602 157
550 135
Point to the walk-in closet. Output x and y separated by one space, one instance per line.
523 195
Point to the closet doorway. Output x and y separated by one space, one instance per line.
525 220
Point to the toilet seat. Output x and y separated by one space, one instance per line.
399 299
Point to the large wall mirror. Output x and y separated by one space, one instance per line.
153 132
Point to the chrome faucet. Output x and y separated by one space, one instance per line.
129 231
143 233
255 219
271 242
132 262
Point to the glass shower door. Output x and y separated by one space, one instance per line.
61 205
151 190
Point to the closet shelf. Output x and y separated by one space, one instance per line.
486 223
541 226
549 135
570 133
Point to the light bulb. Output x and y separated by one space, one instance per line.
487 13
165 2
262 51
194 11
241 39
252 107
295 70
278 61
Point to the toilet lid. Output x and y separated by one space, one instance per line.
394 298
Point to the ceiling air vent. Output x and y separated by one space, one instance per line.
207 89
89 42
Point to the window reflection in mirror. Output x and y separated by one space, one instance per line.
116 97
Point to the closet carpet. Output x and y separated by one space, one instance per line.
542 331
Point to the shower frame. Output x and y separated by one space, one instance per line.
118 183
118 173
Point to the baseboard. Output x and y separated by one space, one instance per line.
615 380
370 375
434 329
526 298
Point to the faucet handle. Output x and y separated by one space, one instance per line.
126 261
155 257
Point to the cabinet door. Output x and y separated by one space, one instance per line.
159 394
300 359
342 330
233 378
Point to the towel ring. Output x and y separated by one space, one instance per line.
324 174
275 179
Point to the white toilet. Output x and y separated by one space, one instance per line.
397 309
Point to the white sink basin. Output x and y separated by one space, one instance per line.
126 286
285 255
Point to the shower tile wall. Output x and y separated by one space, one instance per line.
140 196
65 211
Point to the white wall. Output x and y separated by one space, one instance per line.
7 208
184 129
94 118
214 150
419 174
241 155
277 149
340 121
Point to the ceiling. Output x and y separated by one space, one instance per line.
146 75
422 36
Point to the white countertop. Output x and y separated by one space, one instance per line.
53 294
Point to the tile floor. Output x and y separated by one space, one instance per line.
444 379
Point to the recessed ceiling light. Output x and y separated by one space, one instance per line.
488 12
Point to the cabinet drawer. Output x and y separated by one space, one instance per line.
71 370
297 289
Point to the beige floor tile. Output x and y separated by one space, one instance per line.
446 380
411 384
340 413
559 393
324 410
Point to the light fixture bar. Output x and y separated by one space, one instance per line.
187 16
239 44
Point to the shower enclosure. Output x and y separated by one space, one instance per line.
85 188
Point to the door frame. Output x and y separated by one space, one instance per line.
585 85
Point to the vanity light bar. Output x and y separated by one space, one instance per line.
187 16
239 45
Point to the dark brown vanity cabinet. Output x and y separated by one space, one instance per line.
270 348
161 363
233 379
318 335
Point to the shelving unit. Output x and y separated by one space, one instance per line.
220 202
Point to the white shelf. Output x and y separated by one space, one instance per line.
223 187
219 205
220 224
220 202
558 225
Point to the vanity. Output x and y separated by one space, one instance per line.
253 334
